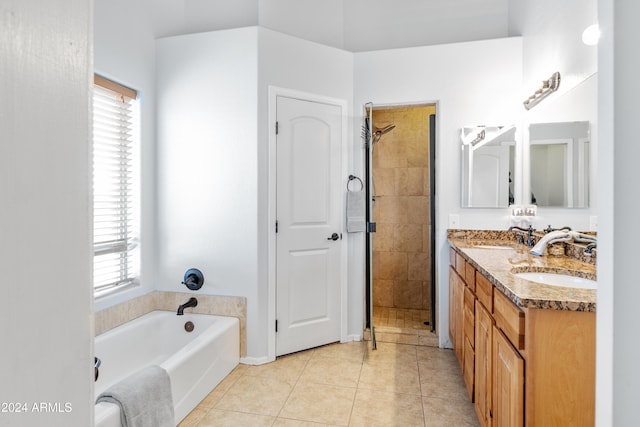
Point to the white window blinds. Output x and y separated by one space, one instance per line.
116 167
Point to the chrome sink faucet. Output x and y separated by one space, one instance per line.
529 233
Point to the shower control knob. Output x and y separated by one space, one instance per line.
334 237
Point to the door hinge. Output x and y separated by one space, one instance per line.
276 128
276 325
276 226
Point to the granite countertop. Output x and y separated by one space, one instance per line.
498 265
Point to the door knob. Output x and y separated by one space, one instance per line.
334 237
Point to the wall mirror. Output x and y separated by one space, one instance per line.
559 164
488 163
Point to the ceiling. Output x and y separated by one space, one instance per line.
353 25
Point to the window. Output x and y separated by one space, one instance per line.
116 219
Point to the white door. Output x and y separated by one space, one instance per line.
309 212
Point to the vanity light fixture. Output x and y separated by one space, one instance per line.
481 135
472 135
548 87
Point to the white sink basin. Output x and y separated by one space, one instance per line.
556 279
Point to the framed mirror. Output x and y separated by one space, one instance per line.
488 166
559 164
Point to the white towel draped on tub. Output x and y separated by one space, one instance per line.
355 211
144 398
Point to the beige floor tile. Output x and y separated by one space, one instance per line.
438 358
286 368
320 403
338 372
302 355
374 408
353 351
219 418
257 395
212 399
192 419
446 413
442 384
396 385
397 353
390 376
231 379
285 422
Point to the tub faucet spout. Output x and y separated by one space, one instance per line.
191 303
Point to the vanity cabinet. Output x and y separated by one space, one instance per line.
521 366
483 364
462 315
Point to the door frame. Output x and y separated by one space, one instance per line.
274 92
434 137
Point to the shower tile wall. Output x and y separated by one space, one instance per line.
401 250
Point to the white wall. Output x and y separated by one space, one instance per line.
213 156
207 120
552 41
609 247
292 63
45 241
551 33
124 51
472 83
618 375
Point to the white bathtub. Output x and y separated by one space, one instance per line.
196 361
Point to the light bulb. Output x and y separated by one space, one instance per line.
591 35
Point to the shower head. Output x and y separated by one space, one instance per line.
378 132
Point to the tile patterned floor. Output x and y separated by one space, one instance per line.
400 318
402 326
342 385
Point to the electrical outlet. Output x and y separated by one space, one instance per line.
593 223
454 221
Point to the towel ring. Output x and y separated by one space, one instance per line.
351 178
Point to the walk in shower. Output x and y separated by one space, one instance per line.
401 249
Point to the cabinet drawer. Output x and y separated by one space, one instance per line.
509 318
484 291
470 276
452 257
460 265
468 370
469 316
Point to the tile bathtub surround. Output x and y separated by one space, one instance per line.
342 385
169 301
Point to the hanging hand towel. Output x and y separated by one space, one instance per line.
355 211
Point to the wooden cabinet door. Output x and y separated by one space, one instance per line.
508 383
483 368
459 319
453 276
